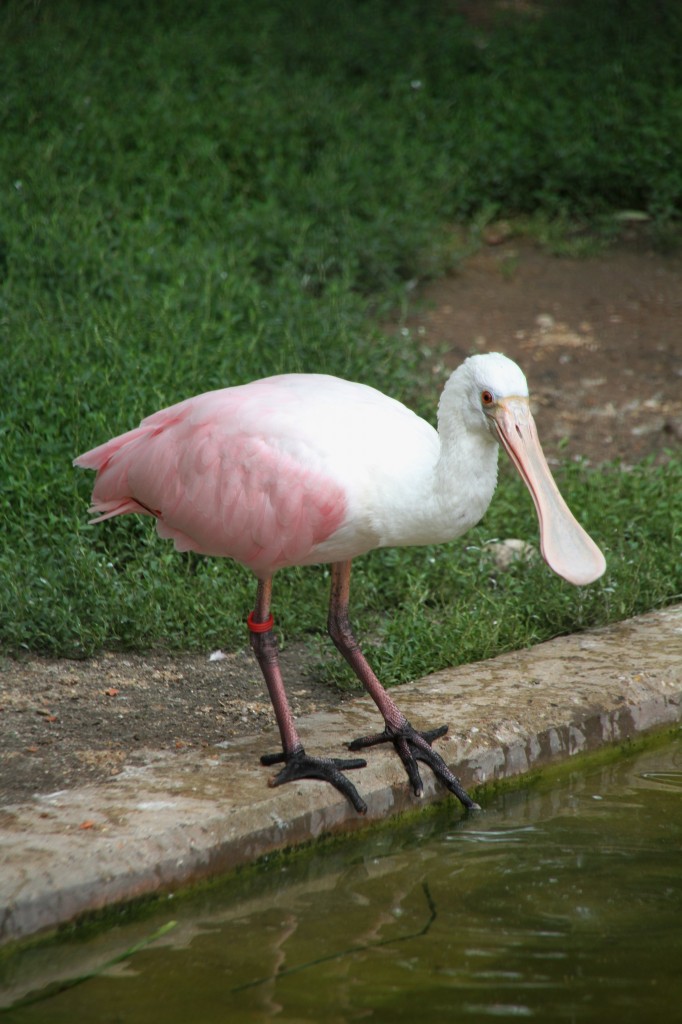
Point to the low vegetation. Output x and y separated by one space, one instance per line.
195 195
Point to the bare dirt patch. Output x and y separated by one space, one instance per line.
65 723
599 340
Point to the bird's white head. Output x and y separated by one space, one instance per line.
489 379
493 395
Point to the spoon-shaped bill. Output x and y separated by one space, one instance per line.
565 546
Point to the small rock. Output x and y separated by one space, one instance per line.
505 552
545 321
497 233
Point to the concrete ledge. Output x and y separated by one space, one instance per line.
191 815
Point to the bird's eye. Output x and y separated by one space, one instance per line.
487 398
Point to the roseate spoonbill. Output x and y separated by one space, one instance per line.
305 468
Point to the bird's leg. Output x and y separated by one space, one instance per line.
297 764
412 746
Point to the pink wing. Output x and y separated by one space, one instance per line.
223 476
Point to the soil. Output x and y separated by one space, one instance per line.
599 339
600 342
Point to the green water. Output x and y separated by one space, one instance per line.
559 904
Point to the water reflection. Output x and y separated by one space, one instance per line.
560 904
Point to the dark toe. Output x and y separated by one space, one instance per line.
413 746
298 766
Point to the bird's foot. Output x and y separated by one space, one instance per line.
413 746
298 765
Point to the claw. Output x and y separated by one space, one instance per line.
413 746
298 765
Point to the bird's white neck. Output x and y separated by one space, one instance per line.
445 495
466 471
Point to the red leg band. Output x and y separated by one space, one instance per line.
260 627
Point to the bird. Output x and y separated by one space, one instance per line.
305 468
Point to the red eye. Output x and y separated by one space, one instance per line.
487 397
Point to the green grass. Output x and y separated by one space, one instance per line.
195 195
